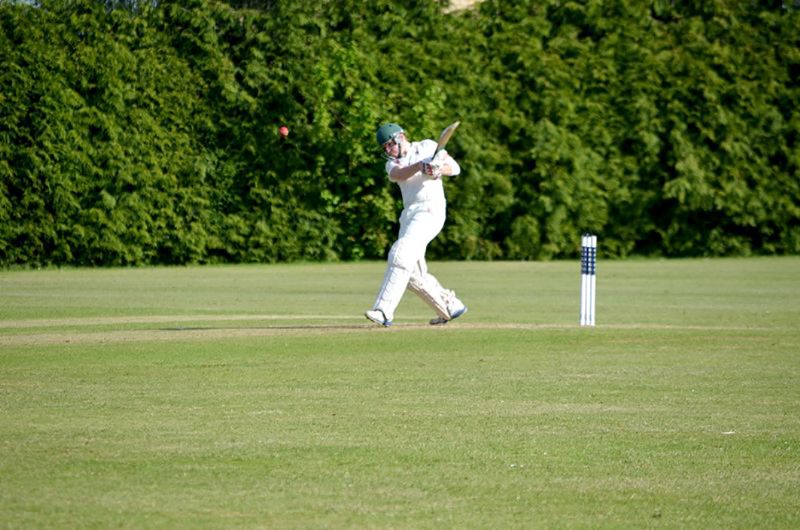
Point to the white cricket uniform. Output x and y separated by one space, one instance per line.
423 216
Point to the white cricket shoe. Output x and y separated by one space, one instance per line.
377 316
453 315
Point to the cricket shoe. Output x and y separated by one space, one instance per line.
377 316
453 315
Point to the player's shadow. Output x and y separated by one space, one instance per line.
290 327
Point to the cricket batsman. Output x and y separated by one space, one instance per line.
412 167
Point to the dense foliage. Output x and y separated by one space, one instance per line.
147 132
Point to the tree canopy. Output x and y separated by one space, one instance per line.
147 132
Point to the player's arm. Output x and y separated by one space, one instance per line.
432 169
400 173
441 165
447 164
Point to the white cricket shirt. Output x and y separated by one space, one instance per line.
419 188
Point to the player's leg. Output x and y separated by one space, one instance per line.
443 301
395 281
418 225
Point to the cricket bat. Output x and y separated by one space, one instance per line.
445 137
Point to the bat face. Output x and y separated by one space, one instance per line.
446 134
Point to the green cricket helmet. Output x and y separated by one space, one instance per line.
387 132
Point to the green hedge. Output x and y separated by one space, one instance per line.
147 132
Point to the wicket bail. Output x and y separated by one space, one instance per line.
588 278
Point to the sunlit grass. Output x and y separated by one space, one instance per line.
260 397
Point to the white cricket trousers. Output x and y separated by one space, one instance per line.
406 267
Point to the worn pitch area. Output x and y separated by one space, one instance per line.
95 330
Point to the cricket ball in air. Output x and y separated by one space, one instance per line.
284 130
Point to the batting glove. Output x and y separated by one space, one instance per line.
432 170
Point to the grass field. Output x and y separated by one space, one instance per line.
260 397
